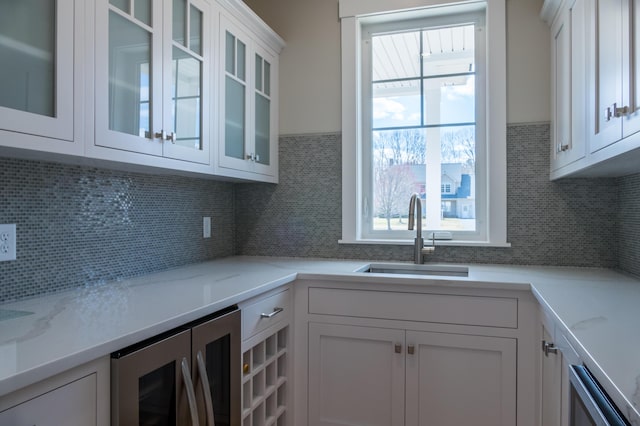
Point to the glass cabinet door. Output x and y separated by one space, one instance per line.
265 147
262 109
249 97
151 77
187 110
37 72
128 75
235 96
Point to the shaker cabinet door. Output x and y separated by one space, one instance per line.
356 375
70 405
455 379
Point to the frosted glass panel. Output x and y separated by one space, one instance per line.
195 30
267 78
263 106
129 78
241 66
123 5
27 73
179 20
234 122
142 11
258 73
186 99
230 53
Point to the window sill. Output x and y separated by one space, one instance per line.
446 243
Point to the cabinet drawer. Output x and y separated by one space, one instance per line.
70 405
437 308
254 315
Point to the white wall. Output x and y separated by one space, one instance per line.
310 63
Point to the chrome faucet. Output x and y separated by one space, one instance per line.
419 250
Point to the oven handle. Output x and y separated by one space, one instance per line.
206 390
191 394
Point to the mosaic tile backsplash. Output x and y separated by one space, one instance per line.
629 224
82 226
572 222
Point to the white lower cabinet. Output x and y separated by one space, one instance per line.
79 397
381 355
266 359
356 377
456 379
551 382
379 376
70 405
557 355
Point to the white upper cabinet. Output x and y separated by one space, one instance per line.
188 85
152 76
595 49
568 84
614 77
614 72
248 104
40 87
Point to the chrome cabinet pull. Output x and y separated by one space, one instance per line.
163 135
620 111
549 348
275 312
253 157
206 390
191 394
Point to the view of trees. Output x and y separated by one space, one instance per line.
394 154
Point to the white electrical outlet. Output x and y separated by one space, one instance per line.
206 227
7 242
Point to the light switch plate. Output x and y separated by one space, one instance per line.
7 242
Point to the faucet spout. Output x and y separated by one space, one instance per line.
415 219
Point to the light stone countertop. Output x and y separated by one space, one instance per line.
597 309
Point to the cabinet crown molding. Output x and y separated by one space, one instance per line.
248 17
549 10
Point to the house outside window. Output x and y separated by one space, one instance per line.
419 121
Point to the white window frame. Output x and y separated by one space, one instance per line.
353 15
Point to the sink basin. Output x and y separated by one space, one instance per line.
6 314
413 269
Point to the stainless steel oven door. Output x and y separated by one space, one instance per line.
590 405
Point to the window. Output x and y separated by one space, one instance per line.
418 118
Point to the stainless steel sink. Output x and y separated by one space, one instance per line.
414 269
6 314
